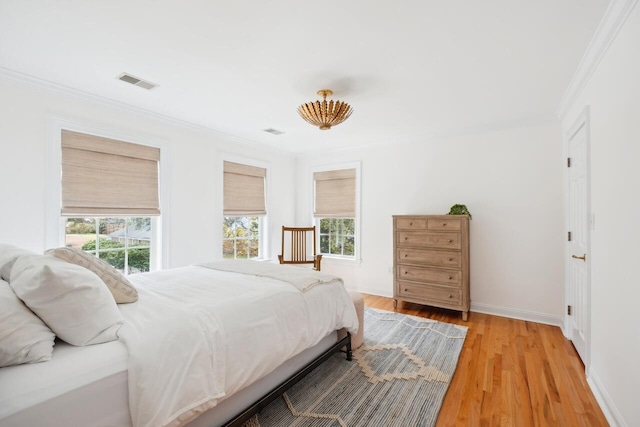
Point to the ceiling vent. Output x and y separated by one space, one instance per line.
136 81
273 131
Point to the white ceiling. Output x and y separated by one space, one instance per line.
410 69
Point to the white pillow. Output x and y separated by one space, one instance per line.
121 289
24 338
70 299
8 255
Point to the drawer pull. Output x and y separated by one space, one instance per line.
405 289
450 259
444 225
410 225
450 277
406 238
450 296
450 241
406 272
406 255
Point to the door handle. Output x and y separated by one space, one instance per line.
583 257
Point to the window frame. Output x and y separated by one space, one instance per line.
316 220
55 226
264 222
261 222
126 248
343 235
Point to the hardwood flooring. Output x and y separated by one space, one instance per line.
510 373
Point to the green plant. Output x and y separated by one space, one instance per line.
459 210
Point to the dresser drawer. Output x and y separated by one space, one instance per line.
444 224
430 292
411 224
425 274
430 257
426 239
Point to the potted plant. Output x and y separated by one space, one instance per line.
459 210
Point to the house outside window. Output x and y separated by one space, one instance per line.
335 213
123 243
244 210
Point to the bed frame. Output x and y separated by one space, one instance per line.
261 403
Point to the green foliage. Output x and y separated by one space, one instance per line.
337 236
80 226
138 258
459 210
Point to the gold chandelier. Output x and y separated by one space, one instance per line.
325 114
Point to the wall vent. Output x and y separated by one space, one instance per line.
128 78
273 131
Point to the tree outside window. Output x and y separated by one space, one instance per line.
241 237
337 236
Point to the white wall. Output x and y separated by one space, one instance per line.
193 232
511 181
613 94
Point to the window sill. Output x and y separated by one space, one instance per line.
340 260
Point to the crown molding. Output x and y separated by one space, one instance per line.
611 23
56 88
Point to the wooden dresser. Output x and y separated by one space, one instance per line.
431 261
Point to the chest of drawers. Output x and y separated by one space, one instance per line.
431 261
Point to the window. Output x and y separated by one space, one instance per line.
335 211
241 237
124 243
110 199
337 236
244 210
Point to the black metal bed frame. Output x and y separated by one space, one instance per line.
261 403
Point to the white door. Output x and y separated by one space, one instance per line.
578 259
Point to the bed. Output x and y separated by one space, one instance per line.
199 347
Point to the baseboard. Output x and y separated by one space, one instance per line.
604 400
514 313
381 292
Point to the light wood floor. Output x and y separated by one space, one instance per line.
510 373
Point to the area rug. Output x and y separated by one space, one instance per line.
398 377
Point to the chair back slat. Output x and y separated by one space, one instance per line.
298 246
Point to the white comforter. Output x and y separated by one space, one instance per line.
197 335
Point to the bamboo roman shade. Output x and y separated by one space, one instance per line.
244 190
102 177
335 193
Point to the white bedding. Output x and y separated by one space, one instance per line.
197 335
260 324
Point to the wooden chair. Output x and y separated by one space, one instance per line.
297 251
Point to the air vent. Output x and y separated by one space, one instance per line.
273 131
136 81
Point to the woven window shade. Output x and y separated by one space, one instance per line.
106 177
244 190
335 193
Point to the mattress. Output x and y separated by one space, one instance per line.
37 394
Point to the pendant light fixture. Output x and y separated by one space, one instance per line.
325 114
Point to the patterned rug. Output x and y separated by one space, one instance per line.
398 377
